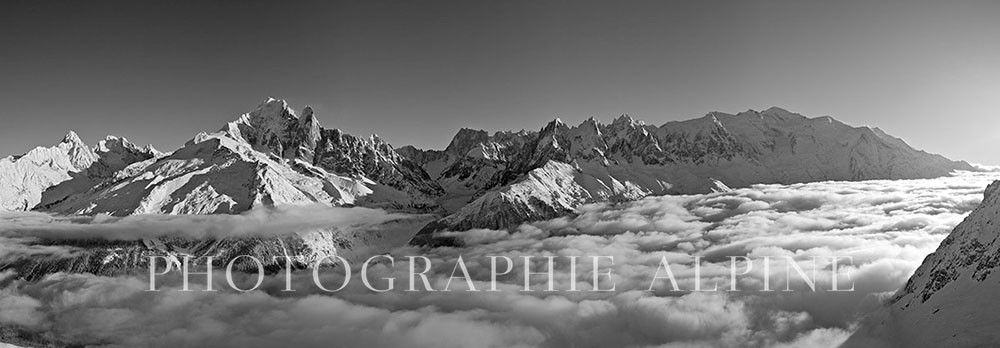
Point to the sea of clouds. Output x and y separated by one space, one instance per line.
886 227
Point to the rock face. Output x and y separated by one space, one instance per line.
503 179
950 300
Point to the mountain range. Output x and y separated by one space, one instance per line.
500 180
274 156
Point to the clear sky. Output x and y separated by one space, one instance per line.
416 71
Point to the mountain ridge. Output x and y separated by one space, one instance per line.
273 155
628 159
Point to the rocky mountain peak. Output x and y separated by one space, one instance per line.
555 125
626 121
72 138
273 127
271 103
24 178
273 111
117 152
551 134
150 149
114 143
465 140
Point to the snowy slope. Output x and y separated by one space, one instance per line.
950 301
46 175
212 174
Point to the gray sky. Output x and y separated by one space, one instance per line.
416 71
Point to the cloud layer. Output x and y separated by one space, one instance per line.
887 227
261 222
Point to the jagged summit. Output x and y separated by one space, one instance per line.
274 127
553 125
273 103
465 139
307 112
627 120
112 141
72 137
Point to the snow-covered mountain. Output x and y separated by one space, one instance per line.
267 157
950 301
503 179
69 167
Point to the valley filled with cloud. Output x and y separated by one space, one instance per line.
885 229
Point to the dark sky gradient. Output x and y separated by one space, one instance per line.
416 71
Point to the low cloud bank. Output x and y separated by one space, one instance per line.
260 222
887 227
